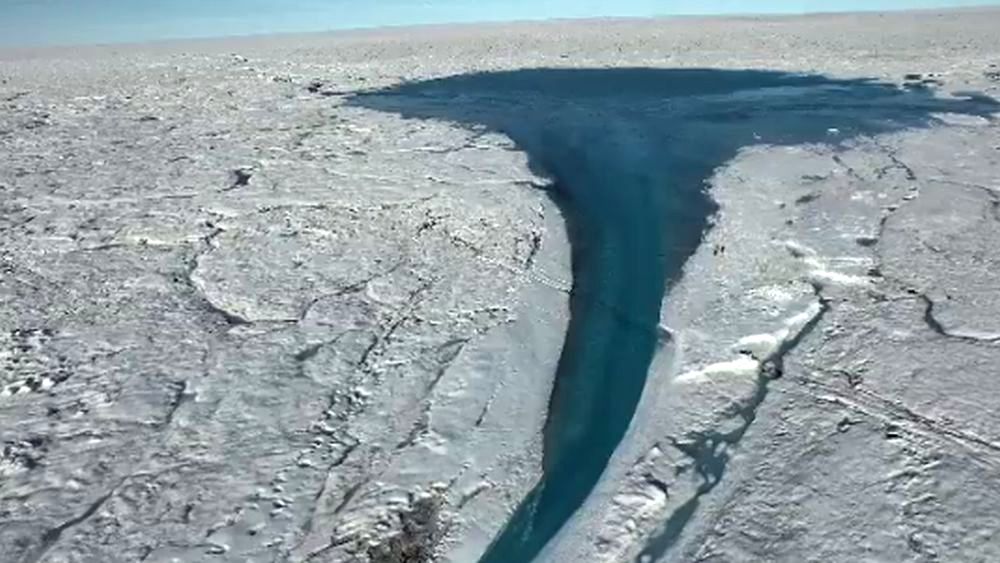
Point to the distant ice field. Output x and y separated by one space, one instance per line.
68 22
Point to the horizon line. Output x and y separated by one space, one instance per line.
362 30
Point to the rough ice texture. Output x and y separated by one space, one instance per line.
242 321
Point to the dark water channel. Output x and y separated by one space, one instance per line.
629 151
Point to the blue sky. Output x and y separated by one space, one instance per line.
35 22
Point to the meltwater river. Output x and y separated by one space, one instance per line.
629 152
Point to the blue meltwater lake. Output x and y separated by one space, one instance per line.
48 22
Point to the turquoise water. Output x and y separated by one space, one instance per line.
628 173
42 22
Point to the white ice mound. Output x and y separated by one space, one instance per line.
755 349
819 273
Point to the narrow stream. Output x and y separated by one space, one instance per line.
631 231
